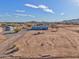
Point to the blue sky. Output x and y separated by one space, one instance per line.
38 10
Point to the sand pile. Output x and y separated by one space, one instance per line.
48 44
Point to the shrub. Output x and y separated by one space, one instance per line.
17 30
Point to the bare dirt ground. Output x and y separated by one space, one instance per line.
60 44
2 38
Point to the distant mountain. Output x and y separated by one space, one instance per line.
75 21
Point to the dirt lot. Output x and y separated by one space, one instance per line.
50 43
2 38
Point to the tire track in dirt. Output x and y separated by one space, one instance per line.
74 37
68 35
66 43
9 42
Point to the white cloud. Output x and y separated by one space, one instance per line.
76 2
43 7
24 15
62 13
5 15
20 10
21 15
49 10
31 16
31 5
